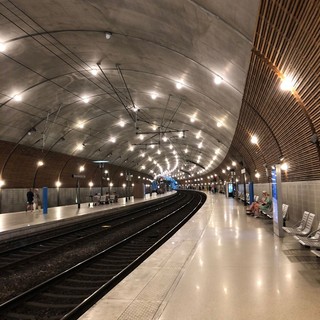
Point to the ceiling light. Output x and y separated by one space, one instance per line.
81 168
284 166
58 184
143 167
171 146
94 72
152 146
257 175
80 146
17 97
141 137
234 163
223 171
40 163
2 183
219 124
113 139
108 35
217 80
186 150
85 99
131 148
80 125
154 96
200 145
164 138
286 84
121 123
254 139
2 47
179 85
90 184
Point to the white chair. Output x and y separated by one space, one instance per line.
308 226
103 199
112 198
285 208
298 226
284 212
312 240
96 199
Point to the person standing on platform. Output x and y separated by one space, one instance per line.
36 199
30 196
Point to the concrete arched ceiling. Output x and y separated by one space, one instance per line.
49 50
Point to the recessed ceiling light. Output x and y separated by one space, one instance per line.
94 72
179 85
85 99
217 80
80 125
2 47
254 139
286 84
17 97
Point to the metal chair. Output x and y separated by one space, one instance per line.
299 225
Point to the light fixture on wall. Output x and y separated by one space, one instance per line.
58 184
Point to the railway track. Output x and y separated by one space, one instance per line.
56 241
69 293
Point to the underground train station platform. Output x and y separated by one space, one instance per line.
15 225
221 265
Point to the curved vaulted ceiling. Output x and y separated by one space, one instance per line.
66 88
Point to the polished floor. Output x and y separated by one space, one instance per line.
222 265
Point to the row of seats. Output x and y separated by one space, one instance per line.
302 232
241 197
269 213
103 199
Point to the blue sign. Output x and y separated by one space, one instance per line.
274 194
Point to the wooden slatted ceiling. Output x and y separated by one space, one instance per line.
286 43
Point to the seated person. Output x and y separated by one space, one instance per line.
263 206
254 204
